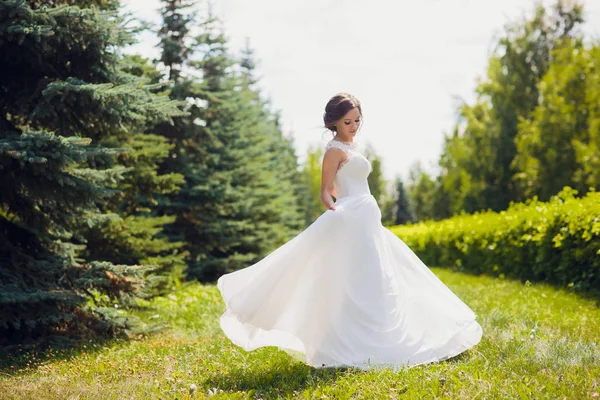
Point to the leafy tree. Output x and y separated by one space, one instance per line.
523 57
375 179
465 161
388 204
311 171
421 192
480 159
563 151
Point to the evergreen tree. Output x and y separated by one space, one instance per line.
403 210
248 65
112 5
301 187
188 155
276 177
177 18
137 237
222 234
62 88
238 201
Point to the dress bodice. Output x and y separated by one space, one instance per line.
351 177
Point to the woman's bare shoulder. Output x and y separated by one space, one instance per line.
333 153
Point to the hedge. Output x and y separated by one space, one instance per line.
556 241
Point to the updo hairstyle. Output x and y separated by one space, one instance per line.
337 107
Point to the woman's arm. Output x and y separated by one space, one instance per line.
331 161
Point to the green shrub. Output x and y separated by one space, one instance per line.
556 241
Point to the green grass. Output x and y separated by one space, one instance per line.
538 343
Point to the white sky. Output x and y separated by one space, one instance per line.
407 62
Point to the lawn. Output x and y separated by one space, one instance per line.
538 343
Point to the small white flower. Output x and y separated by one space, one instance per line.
193 387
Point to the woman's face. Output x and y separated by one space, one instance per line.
348 125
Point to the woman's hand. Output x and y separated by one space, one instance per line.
327 201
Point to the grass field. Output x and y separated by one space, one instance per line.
538 343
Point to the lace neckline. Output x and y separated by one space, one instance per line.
342 145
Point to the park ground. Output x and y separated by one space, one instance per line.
539 342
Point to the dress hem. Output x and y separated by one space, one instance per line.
367 365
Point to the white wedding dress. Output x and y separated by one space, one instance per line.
347 292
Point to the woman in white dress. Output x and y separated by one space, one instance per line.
346 292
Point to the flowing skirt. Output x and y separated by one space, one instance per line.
347 292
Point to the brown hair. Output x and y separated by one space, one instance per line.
337 107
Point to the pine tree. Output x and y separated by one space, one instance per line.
62 90
403 210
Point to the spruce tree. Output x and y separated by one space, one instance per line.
238 200
276 181
62 92
137 237
203 198
220 234
177 20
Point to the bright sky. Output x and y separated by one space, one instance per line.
408 62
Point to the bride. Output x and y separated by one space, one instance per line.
346 291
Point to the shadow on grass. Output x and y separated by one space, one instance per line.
19 358
287 380
590 295
283 380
